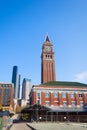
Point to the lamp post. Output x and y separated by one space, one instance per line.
37 113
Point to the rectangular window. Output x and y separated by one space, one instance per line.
55 95
81 103
64 103
9 85
80 95
73 103
38 102
38 97
38 94
72 95
47 94
64 95
47 103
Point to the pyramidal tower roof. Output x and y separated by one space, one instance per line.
47 39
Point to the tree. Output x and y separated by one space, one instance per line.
1 108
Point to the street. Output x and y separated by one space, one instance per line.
20 126
17 125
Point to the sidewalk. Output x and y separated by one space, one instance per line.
58 126
20 126
6 128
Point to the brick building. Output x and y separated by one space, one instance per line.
56 94
6 96
63 98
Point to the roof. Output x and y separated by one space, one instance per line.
47 39
25 79
64 83
68 110
4 83
35 107
59 109
53 109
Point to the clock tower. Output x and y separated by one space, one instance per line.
47 62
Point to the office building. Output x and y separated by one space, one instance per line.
6 96
16 82
26 87
19 89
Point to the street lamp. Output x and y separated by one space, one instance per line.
37 112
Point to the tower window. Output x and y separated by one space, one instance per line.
51 56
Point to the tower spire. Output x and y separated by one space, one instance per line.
47 38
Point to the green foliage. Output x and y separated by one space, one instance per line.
25 116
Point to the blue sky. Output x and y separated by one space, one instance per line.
23 27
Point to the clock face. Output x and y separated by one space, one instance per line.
48 48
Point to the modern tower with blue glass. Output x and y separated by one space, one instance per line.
16 81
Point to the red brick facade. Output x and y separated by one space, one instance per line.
47 62
79 97
58 94
6 95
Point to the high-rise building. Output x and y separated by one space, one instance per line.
26 86
6 96
14 79
19 78
47 62
16 82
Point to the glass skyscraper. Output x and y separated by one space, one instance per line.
16 82
19 78
26 87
